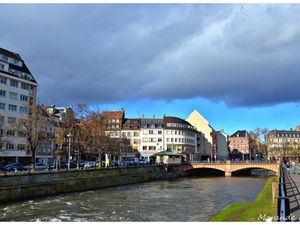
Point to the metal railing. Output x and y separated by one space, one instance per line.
283 200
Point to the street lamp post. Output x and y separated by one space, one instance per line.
69 153
215 152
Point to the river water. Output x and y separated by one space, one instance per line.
182 199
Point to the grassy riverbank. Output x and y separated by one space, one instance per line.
251 211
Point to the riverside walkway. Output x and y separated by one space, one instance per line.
293 193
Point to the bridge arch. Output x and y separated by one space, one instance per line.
228 168
247 169
208 170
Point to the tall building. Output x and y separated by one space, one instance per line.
17 91
206 134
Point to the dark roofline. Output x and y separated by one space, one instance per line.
10 54
240 131
283 131
24 68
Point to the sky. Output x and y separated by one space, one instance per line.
236 64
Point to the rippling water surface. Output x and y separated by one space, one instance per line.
183 199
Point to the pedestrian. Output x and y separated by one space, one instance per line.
293 167
288 167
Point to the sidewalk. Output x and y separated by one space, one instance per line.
293 193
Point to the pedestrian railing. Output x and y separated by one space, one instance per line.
283 200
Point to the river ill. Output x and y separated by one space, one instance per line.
182 199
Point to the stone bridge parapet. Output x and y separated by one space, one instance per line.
228 167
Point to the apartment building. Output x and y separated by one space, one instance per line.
283 143
180 136
239 144
62 117
151 136
245 146
17 92
131 131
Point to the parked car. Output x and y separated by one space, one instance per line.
88 164
13 167
130 162
142 162
38 166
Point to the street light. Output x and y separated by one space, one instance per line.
69 153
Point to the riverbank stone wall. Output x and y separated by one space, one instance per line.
25 186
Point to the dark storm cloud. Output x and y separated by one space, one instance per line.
244 55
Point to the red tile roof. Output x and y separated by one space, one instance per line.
113 114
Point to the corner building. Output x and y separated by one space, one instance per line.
17 91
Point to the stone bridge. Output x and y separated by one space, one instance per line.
229 167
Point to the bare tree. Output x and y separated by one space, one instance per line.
99 138
34 129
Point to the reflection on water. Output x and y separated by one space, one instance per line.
183 199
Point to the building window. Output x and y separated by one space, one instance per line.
14 83
144 147
152 147
12 107
10 146
136 134
10 133
2 80
2 105
21 134
159 140
24 98
1 66
21 147
2 93
11 120
159 132
13 95
24 86
150 131
5 58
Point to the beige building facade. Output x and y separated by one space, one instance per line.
205 137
